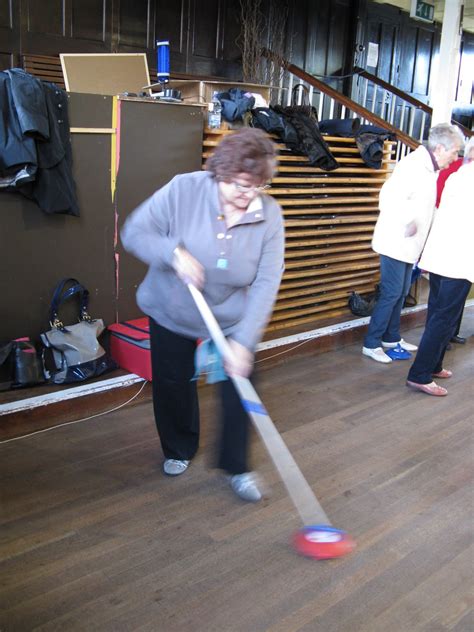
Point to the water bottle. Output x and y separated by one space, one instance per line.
214 113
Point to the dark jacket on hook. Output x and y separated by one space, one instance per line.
35 147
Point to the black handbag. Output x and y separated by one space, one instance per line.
21 365
75 354
305 106
363 306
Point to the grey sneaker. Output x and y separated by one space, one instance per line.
174 467
245 486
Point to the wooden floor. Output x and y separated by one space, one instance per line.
95 538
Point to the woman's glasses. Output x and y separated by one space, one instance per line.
240 188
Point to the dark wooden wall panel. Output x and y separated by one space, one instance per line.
388 53
9 32
317 39
338 38
6 17
406 48
6 60
231 32
172 23
46 17
89 19
134 24
408 59
383 30
421 75
65 26
206 29
465 93
417 46
157 142
296 45
320 35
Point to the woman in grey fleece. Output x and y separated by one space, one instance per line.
218 230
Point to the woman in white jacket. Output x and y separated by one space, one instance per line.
407 203
448 257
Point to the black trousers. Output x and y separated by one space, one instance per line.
176 405
445 306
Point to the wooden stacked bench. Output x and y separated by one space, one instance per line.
329 221
46 67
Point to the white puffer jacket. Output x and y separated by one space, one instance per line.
409 195
449 250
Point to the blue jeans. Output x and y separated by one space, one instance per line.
445 305
395 281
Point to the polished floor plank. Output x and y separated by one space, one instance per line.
94 537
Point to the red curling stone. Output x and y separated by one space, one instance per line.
323 542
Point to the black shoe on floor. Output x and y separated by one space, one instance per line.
459 340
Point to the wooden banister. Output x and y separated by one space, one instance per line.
399 93
341 98
406 97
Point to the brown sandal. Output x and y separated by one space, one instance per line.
429 389
444 374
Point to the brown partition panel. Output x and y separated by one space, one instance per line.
157 141
37 249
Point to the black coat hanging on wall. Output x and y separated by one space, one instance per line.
35 145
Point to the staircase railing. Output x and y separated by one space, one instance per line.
395 106
330 103
379 103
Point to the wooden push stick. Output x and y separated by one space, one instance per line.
300 492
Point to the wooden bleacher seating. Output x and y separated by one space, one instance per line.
46 67
329 220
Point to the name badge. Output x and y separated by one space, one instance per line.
222 264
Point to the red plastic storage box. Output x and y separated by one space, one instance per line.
130 346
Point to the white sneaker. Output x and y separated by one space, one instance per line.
174 467
245 486
403 344
377 354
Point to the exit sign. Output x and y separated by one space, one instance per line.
422 10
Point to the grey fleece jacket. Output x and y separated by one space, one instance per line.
243 264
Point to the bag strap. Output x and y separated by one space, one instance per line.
304 96
5 350
61 295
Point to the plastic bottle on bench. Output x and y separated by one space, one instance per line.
214 114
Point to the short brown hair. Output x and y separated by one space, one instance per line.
247 150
